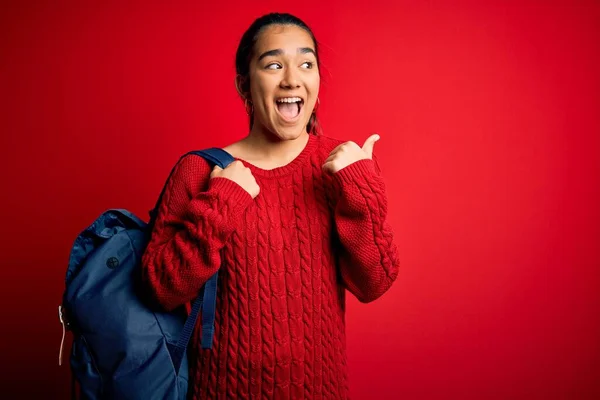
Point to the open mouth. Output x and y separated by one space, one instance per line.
289 107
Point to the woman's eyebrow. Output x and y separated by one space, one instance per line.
278 52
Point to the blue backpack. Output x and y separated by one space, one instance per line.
123 347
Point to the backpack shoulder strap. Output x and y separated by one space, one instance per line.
215 156
207 298
208 294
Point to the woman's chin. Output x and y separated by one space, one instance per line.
288 132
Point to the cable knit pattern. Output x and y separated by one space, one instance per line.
285 261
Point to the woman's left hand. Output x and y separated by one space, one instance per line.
348 153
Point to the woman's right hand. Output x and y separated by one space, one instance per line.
240 174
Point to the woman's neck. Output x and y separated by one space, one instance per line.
261 147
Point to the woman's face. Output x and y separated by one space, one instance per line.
284 81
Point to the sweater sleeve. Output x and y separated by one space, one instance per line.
195 218
368 257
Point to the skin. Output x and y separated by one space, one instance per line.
283 65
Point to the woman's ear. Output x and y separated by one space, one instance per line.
240 82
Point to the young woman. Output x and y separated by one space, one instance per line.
294 222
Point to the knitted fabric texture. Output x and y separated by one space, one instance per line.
285 261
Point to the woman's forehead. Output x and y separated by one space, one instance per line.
284 37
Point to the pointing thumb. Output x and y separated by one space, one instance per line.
369 144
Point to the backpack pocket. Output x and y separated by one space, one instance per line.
85 370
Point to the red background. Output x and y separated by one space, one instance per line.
489 118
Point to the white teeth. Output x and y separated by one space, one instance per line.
289 100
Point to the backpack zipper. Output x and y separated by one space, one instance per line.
62 341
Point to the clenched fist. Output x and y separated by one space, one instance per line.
348 153
240 174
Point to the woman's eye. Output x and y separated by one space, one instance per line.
273 66
307 64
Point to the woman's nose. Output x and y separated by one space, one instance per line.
289 79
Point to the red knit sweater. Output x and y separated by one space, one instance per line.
285 260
